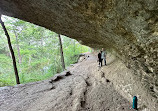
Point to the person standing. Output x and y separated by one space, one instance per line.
99 58
103 56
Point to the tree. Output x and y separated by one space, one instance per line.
61 51
18 47
74 46
11 50
37 52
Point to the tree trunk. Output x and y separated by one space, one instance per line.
18 47
12 52
61 51
9 53
29 60
74 47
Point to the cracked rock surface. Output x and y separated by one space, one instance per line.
84 90
129 27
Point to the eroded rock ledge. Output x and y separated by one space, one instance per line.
128 27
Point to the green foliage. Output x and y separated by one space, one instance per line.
37 52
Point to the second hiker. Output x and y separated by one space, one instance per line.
103 56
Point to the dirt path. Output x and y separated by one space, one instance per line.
86 89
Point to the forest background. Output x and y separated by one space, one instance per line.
37 52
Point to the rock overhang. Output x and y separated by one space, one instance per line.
129 27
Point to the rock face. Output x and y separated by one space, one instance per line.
86 89
128 27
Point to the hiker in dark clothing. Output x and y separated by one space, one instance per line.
99 59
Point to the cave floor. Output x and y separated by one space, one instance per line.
86 89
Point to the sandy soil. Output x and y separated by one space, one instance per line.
85 89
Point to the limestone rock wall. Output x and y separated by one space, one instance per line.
128 84
129 27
